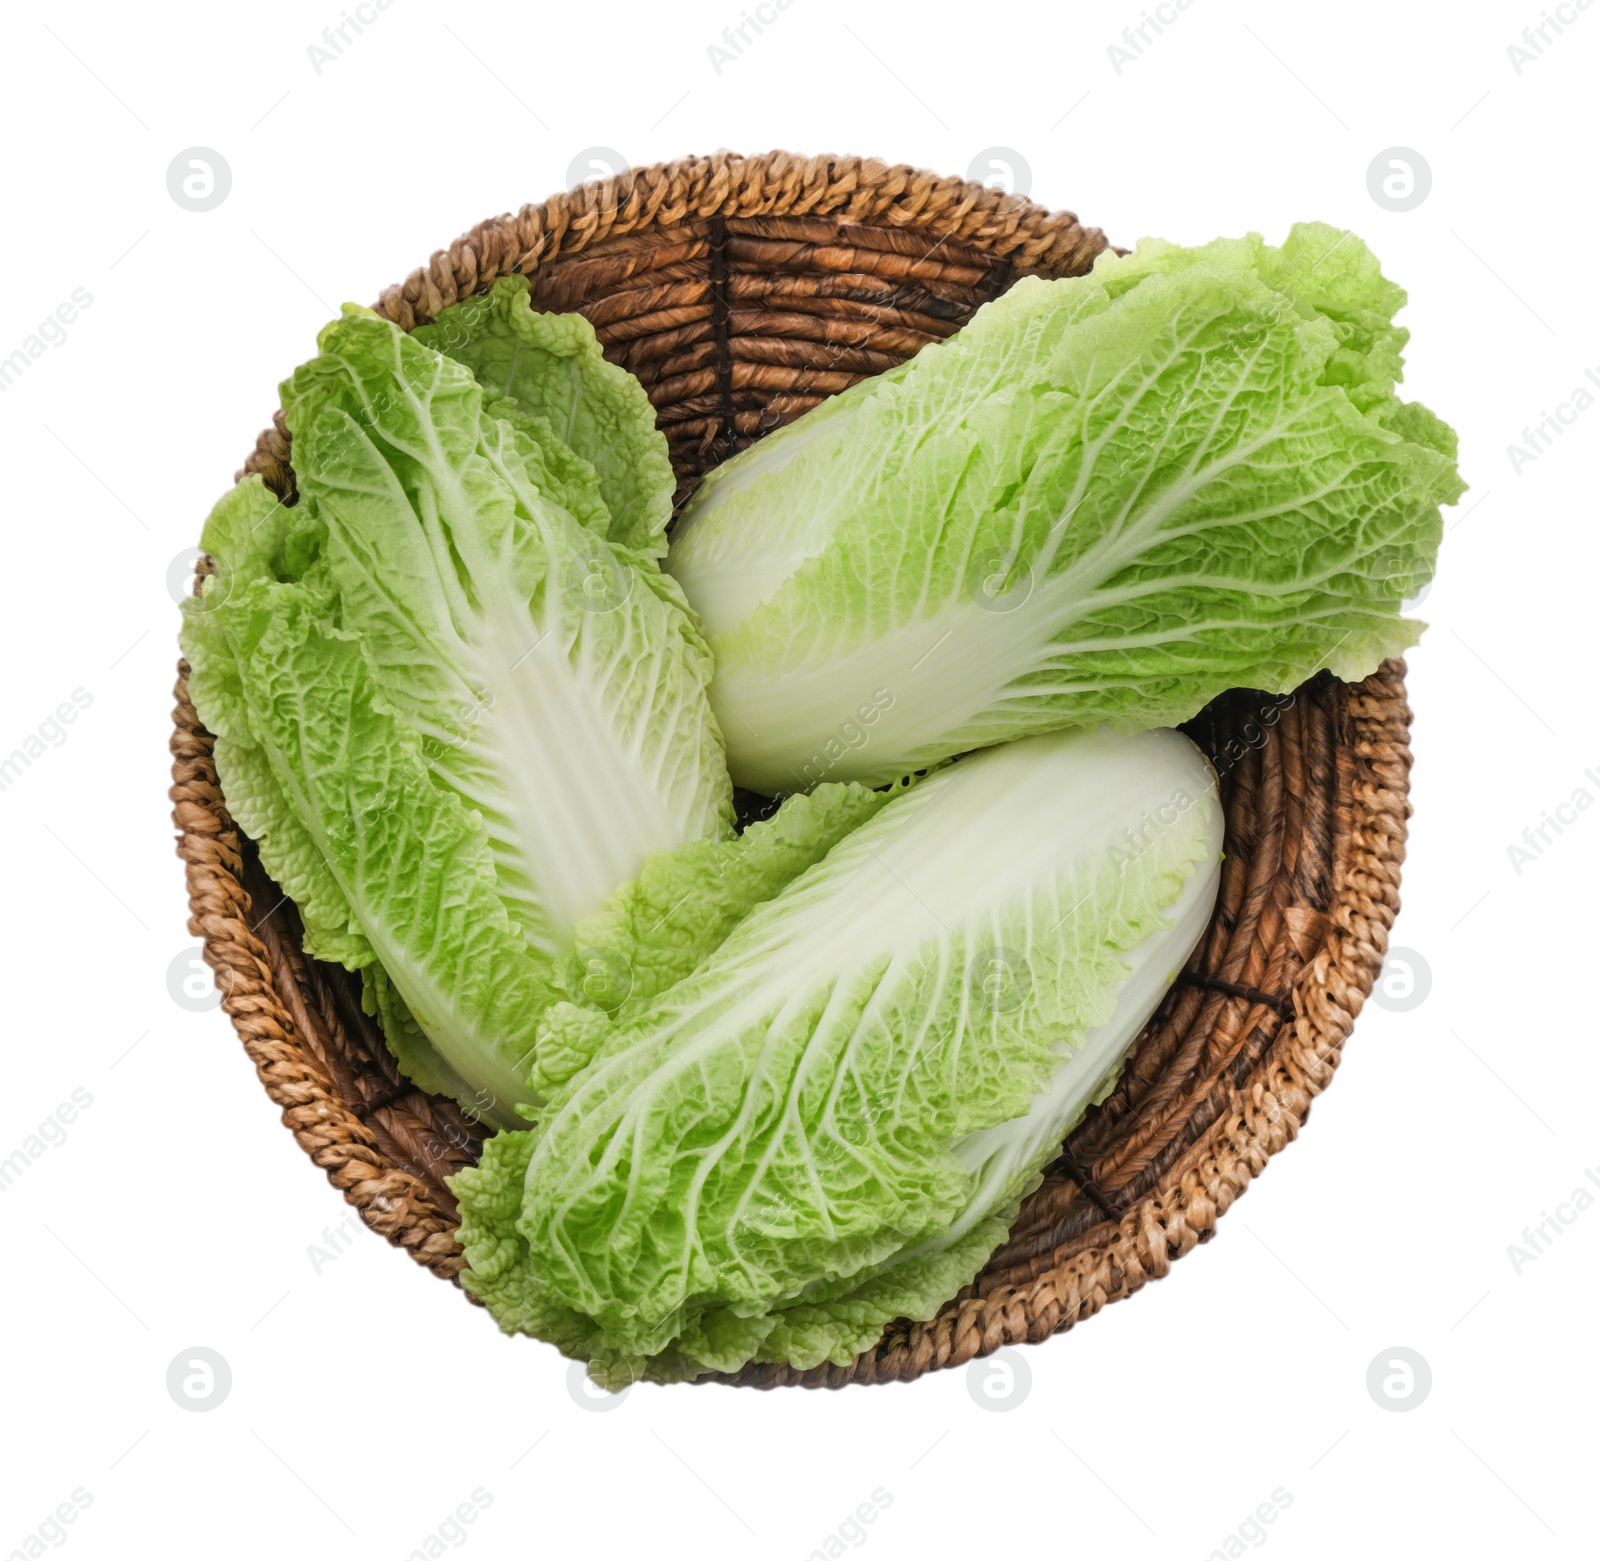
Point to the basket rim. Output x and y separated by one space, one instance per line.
1328 992
732 185
729 185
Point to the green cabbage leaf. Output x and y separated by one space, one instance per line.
453 711
1107 499
832 1119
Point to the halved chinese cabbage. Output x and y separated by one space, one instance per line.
832 1120
1107 499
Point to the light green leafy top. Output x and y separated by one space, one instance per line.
839 1108
550 368
453 713
1106 499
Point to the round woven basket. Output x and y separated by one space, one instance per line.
742 291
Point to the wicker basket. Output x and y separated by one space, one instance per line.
742 291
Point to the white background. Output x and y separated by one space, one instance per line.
368 1399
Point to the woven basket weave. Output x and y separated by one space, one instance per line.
743 291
